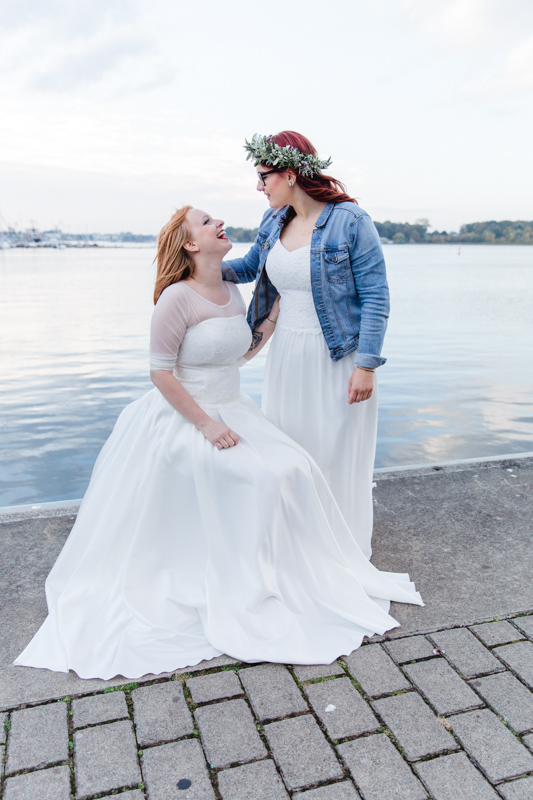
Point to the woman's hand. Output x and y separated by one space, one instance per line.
361 386
218 434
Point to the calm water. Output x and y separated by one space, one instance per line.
74 340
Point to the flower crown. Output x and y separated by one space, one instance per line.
264 150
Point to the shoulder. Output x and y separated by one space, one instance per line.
270 217
173 292
236 295
173 298
348 211
353 222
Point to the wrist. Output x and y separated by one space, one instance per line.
202 422
365 369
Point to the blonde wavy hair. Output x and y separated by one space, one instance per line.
173 262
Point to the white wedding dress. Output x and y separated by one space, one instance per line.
305 394
181 552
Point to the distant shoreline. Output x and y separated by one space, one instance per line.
518 232
150 245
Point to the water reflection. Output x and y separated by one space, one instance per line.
74 340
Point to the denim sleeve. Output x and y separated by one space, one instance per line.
242 270
368 268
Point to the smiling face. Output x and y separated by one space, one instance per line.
207 234
276 186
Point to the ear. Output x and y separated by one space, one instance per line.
192 247
291 176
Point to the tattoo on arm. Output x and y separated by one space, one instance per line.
256 340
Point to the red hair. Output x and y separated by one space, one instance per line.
320 187
173 262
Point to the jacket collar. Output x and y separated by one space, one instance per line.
280 214
323 218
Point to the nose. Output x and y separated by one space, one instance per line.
260 185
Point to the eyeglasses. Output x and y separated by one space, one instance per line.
262 175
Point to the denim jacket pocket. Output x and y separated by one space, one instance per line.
337 263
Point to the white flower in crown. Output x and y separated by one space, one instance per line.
264 150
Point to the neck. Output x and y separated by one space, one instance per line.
207 271
305 207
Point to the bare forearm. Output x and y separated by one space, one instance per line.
260 337
262 334
178 397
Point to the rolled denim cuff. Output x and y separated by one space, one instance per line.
368 360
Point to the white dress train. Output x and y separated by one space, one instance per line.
305 394
181 552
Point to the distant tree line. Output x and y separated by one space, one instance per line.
136 237
242 234
402 232
506 232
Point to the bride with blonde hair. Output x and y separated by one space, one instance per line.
205 529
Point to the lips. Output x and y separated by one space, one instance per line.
222 235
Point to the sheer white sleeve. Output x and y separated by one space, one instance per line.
170 320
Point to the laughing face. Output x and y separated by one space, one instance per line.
207 234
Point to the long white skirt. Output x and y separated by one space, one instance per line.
305 394
181 552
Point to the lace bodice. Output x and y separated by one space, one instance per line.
200 342
290 272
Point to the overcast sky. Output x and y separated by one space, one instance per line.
115 112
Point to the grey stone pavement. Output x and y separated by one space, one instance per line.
438 709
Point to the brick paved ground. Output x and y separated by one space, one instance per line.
443 716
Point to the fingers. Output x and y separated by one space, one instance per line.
226 439
357 396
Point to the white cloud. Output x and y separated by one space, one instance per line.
513 77
66 47
461 22
163 93
91 63
66 18
472 23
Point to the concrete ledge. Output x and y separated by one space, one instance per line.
31 511
437 465
68 507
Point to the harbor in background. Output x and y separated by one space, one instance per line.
74 326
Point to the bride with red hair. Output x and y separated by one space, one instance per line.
321 252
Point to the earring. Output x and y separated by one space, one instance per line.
290 183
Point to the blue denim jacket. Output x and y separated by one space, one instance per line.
348 280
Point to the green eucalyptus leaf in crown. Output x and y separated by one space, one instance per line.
264 150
